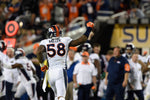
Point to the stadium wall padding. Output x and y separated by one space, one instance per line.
103 34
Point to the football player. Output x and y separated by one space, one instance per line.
2 56
10 75
129 49
26 70
56 48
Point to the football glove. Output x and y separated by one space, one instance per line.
90 24
44 68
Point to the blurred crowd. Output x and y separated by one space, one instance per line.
33 16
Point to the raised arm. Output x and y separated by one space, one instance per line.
84 37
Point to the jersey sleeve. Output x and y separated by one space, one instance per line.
7 63
19 78
68 39
131 67
111 59
42 42
94 71
32 65
76 69
19 61
126 65
94 57
140 72
148 59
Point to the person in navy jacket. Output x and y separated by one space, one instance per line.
117 76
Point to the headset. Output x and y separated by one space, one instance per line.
121 50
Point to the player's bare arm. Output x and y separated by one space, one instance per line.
98 66
40 52
94 87
84 37
40 57
76 42
146 68
75 81
106 80
17 65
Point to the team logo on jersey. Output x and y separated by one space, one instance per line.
118 62
50 30
127 67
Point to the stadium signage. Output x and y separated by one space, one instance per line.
139 35
11 28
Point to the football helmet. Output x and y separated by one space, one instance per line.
130 49
129 46
87 47
19 53
54 31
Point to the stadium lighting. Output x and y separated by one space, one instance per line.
21 24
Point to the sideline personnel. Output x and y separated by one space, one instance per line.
117 75
135 79
83 76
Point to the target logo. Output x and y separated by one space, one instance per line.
11 28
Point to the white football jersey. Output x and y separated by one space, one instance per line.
3 59
56 51
93 57
10 75
26 72
148 59
135 77
1 63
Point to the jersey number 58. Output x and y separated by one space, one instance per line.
60 50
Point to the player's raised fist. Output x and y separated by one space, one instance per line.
44 68
90 24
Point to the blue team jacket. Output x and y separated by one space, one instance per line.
116 69
70 71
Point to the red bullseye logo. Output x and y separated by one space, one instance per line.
11 28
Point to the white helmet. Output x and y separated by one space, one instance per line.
19 53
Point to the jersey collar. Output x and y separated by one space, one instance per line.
85 63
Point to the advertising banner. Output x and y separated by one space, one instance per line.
139 35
